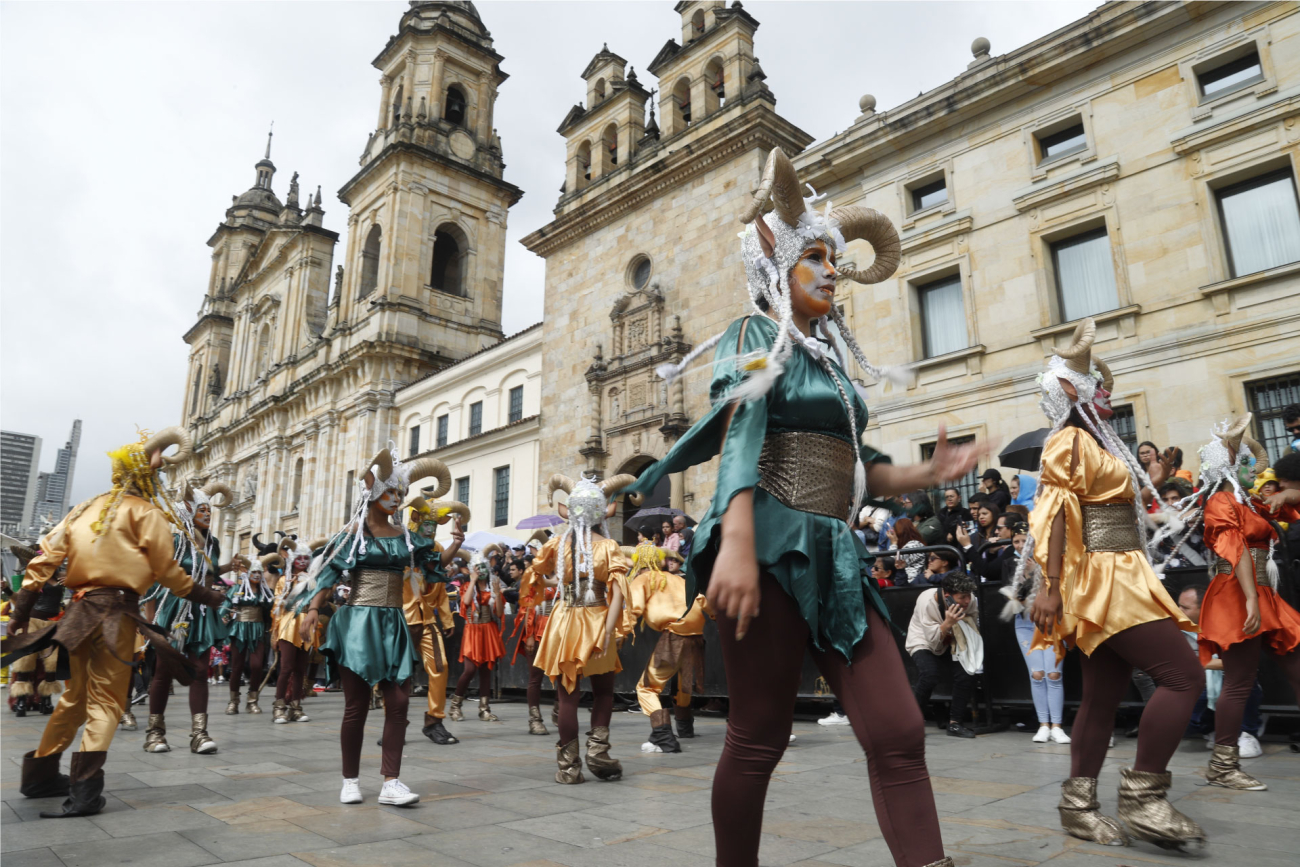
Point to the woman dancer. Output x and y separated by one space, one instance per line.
781 567
194 629
581 639
482 605
293 646
368 642
251 598
1087 534
536 602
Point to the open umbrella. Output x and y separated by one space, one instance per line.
539 522
1025 452
648 520
480 539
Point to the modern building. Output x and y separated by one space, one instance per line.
53 488
20 460
481 417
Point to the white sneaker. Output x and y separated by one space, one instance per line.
648 747
833 719
1044 732
396 793
351 793
1059 736
791 738
1248 746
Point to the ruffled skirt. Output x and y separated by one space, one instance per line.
569 648
1223 611
481 644
373 642
246 637
206 629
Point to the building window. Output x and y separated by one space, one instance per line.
1085 275
1125 424
1232 75
639 272
454 109
1267 399
968 484
297 484
943 317
462 490
1063 142
682 102
929 194
415 442
442 430
500 496
584 161
516 403
476 418
446 275
370 261
610 142
1261 223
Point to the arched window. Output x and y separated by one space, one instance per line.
263 350
600 88
697 22
584 162
611 144
682 102
716 94
297 485
370 261
453 110
448 258
397 105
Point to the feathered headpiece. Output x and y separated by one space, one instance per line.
588 508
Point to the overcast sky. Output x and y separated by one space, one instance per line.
126 127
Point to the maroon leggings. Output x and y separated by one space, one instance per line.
602 704
256 662
1240 666
535 676
1161 650
763 674
161 685
293 666
356 707
467 676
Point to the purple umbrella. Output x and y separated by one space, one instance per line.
539 522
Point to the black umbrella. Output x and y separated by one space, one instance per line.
648 520
1025 452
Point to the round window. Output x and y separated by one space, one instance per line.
640 272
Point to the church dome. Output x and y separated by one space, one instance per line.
258 197
460 11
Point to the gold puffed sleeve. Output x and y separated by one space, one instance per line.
1059 489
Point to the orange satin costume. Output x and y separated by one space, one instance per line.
1230 528
1102 592
534 598
285 624
569 646
480 642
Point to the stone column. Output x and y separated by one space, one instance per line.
386 88
435 100
482 127
677 491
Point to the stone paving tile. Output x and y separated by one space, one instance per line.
189 795
367 824
260 810
503 847
773 850
535 802
583 829
255 839
37 834
153 850
389 853
154 820
269 861
33 858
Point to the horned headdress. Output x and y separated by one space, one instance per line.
589 506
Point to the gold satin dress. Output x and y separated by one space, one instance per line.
1102 592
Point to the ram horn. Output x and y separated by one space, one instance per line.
1235 431
491 548
212 489
171 436
1078 355
384 460
611 486
538 535
1107 378
262 547
271 560
868 224
430 468
318 543
559 482
1257 449
187 494
444 509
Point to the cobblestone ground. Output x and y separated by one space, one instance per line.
269 798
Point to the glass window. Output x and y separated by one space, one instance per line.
1261 222
442 431
476 418
1125 424
1231 75
641 273
415 442
1057 144
968 484
1267 399
462 490
516 403
943 317
1085 275
501 496
929 195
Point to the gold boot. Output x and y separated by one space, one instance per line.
199 741
942 862
127 721
535 726
232 707
456 714
251 705
279 712
296 713
570 766
155 736
485 710
599 761
1148 813
1081 816
1225 770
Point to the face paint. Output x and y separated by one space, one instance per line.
428 529
1246 474
203 517
812 282
300 564
1101 403
388 502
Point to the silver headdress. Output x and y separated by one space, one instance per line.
588 508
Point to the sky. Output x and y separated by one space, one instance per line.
125 128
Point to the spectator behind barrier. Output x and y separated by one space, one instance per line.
938 565
996 489
884 573
930 642
904 535
1291 421
952 514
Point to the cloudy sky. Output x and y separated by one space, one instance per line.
126 127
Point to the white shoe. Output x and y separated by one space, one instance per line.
1059 736
648 747
396 793
791 738
1044 732
351 793
1248 746
833 719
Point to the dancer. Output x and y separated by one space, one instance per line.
293 646
482 605
368 642
24 688
776 539
536 602
658 595
1087 535
116 544
428 613
251 599
581 639
193 629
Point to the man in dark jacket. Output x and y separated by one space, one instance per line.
952 514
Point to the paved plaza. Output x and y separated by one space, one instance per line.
269 798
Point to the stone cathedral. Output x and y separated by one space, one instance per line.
294 359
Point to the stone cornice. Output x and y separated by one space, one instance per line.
944 230
1203 135
189 336
513 194
1104 172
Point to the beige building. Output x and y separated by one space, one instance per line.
290 387
481 417
1138 166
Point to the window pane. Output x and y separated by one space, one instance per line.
462 490
415 441
1267 401
476 418
1231 75
1125 425
1262 224
943 317
442 431
501 496
1066 141
1085 276
928 195
968 484
516 403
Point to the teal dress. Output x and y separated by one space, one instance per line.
206 628
246 636
373 641
815 558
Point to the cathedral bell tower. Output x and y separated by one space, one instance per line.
427 228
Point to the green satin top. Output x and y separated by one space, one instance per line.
816 559
247 636
205 628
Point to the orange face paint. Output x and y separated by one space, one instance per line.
812 281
